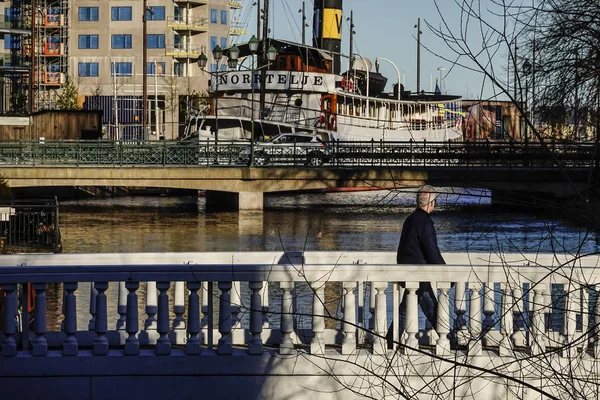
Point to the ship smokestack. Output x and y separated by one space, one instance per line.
327 29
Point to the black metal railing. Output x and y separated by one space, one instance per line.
29 226
484 154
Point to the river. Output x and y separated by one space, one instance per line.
358 221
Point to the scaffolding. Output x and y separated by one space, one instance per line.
51 33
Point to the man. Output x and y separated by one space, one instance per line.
418 242
418 245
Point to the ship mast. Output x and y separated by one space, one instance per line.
263 56
351 66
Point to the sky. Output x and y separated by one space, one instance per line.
386 28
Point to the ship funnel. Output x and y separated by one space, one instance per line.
327 29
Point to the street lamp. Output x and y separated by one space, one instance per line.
526 72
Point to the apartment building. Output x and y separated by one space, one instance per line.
98 44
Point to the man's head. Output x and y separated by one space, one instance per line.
426 198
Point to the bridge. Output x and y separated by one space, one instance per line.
559 169
297 325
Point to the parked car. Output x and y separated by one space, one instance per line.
289 148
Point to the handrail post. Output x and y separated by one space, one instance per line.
475 312
379 341
193 345
286 346
506 327
255 345
317 346
132 344
442 346
349 322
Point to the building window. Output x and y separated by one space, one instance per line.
7 42
213 42
178 69
120 13
155 68
223 42
121 41
178 12
154 41
224 17
121 69
88 69
157 14
88 41
88 13
213 15
213 67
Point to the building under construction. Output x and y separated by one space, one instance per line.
99 47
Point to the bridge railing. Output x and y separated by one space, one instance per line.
337 154
298 301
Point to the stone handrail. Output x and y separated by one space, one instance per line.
520 310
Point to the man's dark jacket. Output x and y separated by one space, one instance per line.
418 242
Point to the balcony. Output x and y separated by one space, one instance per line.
182 51
199 24
235 4
237 29
53 78
53 49
53 20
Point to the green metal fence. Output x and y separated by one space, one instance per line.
333 154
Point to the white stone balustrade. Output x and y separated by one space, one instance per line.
486 328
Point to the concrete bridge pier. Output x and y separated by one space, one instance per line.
233 201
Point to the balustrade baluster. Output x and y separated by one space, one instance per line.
538 327
204 308
9 322
70 346
379 340
193 345
518 335
235 305
349 324
224 346
255 345
488 311
151 307
40 345
101 326
179 307
122 307
132 344
507 327
286 346
460 308
396 299
411 324
361 312
317 345
474 345
372 295
572 308
442 346
264 295
93 294
163 344
585 313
